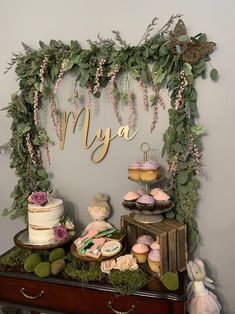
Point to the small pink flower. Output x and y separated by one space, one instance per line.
60 233
38 198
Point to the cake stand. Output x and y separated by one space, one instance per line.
147 216
21 239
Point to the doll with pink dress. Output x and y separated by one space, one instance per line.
200 299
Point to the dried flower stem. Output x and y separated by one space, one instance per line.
30 148
183 84
47 156
145 94
112 87
98 75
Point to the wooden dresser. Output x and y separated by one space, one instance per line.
63 295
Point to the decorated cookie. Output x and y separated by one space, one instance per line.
111 248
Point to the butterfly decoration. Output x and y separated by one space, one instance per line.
191 51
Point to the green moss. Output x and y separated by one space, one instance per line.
56 254
31 262
43 269
128 281
15 257
88 272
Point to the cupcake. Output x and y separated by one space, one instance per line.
140 252
145 239
141 191
149 171
162 199
145 202
129 200
134 171
154 245
154 261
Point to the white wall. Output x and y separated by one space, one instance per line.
75 178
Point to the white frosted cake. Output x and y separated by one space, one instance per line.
42 219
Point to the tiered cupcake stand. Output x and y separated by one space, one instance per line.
149 216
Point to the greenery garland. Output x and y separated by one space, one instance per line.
169 58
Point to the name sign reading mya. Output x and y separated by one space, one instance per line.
102 137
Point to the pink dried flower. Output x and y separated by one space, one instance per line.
38 198
145 94
130 105
35 107
179 96
159 100
30 148
112 86
47 156
98 75
88 94
60 233
60 75
42 71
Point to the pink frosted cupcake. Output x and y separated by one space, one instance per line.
145 239
155 245
154 261
162 199
145 202
129 200
134 171
141 191
140 251
149 171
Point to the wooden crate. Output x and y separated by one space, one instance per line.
171 236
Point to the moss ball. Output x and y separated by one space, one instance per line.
56 254
43 269
31 262
57 266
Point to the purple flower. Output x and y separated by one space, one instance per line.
60 233
38 198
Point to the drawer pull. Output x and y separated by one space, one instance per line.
118 312
31 297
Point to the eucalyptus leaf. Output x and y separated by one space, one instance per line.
163 50
44 184
177 147
170 214
214 74
182 177
198 129
187 69
170 280
183 38
5 212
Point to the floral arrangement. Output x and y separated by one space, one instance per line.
170 58
64 229
38 198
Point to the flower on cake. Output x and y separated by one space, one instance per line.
38 198
60 233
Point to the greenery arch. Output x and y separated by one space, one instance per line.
177 60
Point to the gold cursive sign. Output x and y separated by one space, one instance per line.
105 137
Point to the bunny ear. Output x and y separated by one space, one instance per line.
199 262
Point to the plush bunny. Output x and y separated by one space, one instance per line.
99 210
200 299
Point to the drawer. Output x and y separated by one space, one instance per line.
72 299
